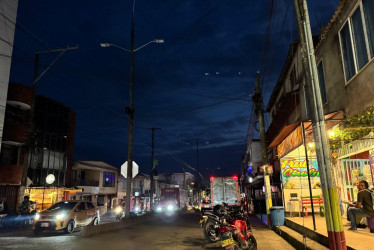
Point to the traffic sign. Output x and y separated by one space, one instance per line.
135 169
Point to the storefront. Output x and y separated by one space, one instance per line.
47 196
293 160
353 163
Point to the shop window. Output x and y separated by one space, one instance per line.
86 197
109 179
321 79
357 39
101 200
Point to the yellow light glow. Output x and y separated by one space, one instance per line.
331 133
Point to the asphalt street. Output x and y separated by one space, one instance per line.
176 232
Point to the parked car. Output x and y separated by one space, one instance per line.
206 205
67 215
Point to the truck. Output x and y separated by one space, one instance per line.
224 189
172 198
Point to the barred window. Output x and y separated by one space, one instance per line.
109 179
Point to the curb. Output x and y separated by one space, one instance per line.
113 226
311 234
290 239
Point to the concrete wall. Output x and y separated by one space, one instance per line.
7 28
357 93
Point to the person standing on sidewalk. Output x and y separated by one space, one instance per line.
364 205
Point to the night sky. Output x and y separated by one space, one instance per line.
195 86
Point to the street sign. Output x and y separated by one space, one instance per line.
135 169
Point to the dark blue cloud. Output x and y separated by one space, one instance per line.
226 39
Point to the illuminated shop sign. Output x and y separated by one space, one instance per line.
295 174
290 168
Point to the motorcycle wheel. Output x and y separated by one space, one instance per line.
210 233
252 243
235 246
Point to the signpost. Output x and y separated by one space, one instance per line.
135 169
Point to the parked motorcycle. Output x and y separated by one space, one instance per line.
120 212
225 221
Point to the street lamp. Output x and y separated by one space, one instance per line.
130 110
106 45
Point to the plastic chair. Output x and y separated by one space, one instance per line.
294 198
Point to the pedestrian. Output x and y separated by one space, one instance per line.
26 205
363 206
3 206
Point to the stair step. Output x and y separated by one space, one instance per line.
296 239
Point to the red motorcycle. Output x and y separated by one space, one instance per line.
225 225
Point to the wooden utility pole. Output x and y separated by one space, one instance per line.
330 195
153 165
130 112
259 109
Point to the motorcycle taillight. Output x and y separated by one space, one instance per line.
224 229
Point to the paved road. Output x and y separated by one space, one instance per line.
178 233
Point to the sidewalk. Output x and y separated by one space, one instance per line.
266 238
360 239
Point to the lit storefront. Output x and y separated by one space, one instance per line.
47 196
354 162
294 170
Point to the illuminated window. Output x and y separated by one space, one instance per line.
109 179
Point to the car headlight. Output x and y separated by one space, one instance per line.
137 209
170 207
159 209
118 210
37 216
60 216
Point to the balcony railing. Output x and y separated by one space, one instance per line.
88 183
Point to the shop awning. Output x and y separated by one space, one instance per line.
283 134
336 117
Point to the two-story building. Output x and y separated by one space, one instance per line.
345 52
140 190
98 181
36 163
344 55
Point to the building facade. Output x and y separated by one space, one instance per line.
98 182
8 188
344 55
49 152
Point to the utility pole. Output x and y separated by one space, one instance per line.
32 135
259 109
130 112
153 165
330 195
198 171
